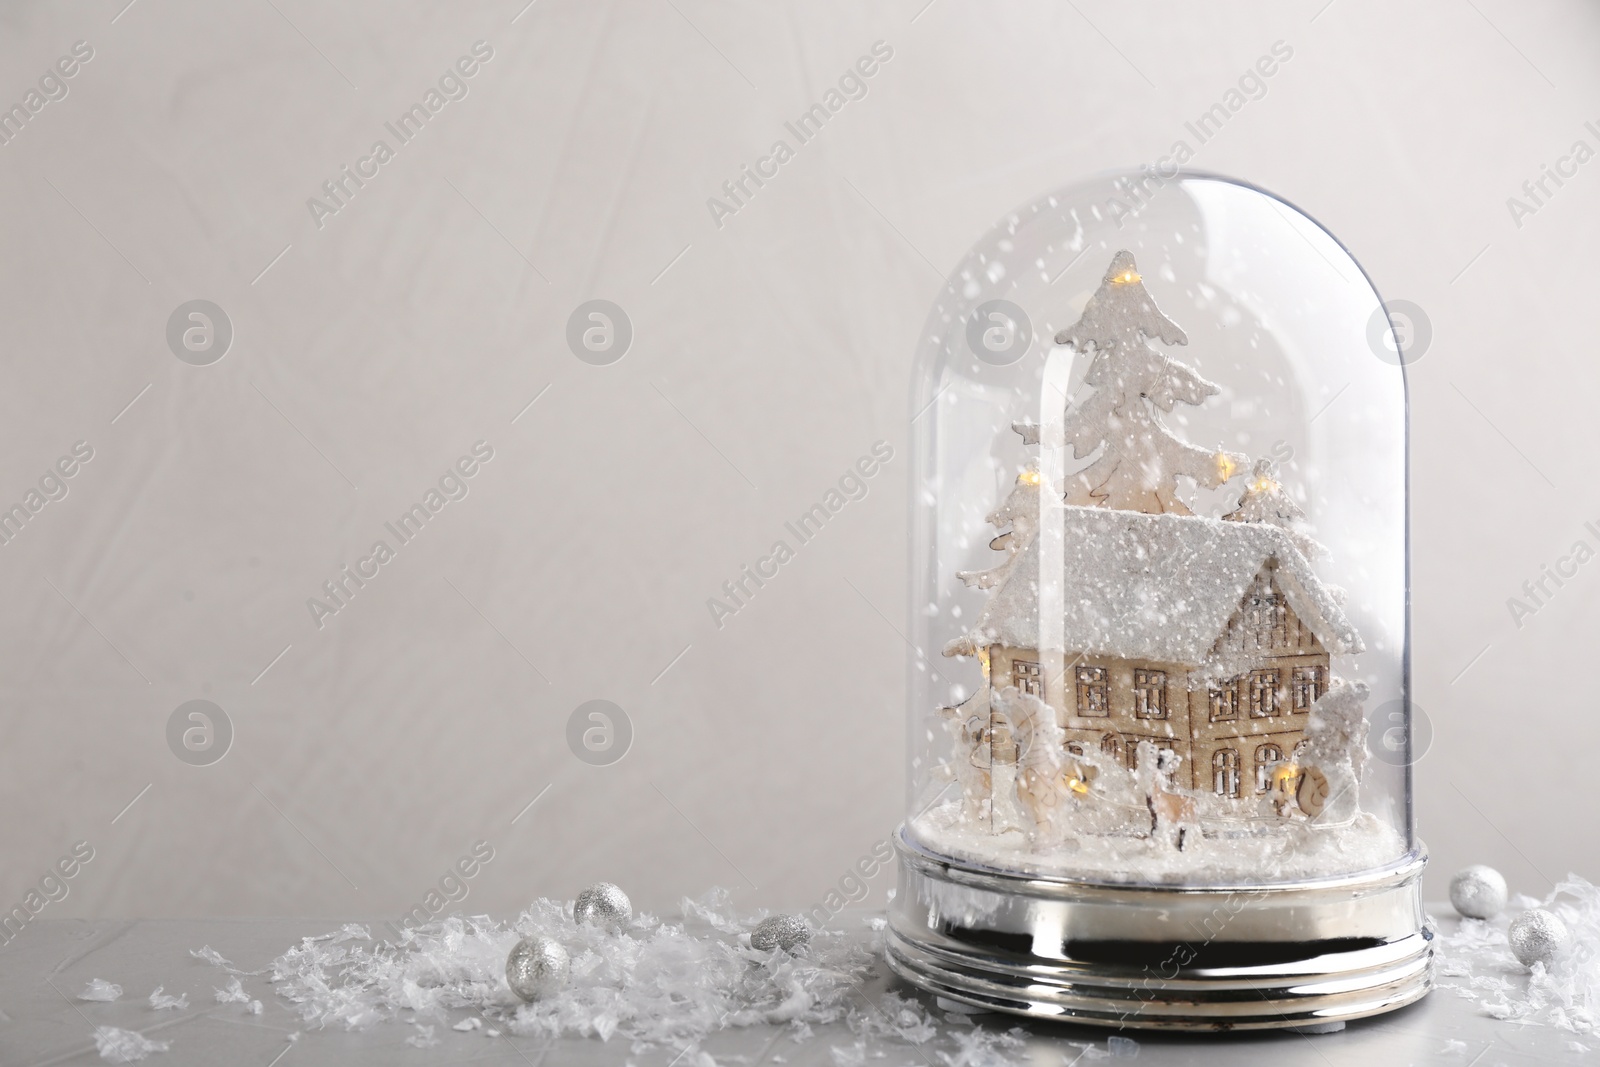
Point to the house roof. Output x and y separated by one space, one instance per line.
1154 587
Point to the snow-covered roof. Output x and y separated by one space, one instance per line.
1154 587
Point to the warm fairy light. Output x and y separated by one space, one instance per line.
1028 478
1263 485
1285 772
1127 277
1076 786
1226 466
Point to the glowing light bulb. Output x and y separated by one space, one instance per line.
1226 466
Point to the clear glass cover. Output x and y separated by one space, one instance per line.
1159 570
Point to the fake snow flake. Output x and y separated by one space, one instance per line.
125 1046
233 994
1122 1048
983 1048
211 956
160 1001
423 1038
101 990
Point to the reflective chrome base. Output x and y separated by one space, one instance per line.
1306 955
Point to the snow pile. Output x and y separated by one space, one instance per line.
1153 587
100 990
1476 962
125 1046
1289 849
658 984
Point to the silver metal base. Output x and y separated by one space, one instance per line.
1303 955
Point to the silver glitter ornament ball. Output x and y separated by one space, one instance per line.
537 967
603 904
787 932
1478 892
1536 936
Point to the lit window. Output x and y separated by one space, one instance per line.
1269 620
1225 703
1150 694
1308 684
1267 757
1094 696
1263 694
1225 772
1025 676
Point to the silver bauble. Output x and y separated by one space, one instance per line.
603 904
1536 936
787 932
1478 892
537 967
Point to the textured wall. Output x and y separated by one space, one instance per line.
375 344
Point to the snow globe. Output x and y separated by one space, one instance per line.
1159 711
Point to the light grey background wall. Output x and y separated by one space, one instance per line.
769 352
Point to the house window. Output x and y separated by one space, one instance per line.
1263 694
1225 703
1025 676
1267 757
1111 745
1150 694
1269 620
1307 684
1225 772
1093 692
1075 748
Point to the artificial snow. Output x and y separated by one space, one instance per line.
1475 961
1247 847
233 993
125 1046
161 1001
658 985
1153 587
99 989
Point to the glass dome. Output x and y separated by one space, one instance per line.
1159 572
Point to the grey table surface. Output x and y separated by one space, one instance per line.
51 961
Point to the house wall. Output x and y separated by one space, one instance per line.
1059 678
1263 634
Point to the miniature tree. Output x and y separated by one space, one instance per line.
1265 500
1017 519
1140 459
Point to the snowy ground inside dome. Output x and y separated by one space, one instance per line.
1277 851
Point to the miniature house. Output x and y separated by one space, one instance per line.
1207 638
